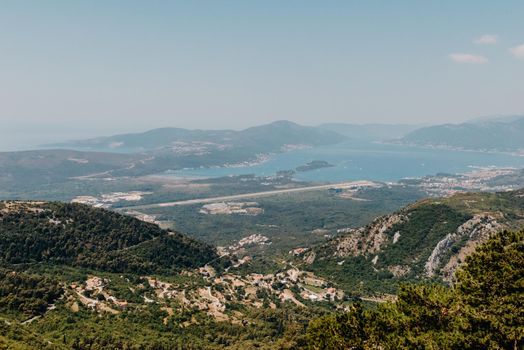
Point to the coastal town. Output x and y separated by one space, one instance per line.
485 179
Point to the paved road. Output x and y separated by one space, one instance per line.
252 195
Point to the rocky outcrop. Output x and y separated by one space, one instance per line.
471 233
309 257
369 239
399 270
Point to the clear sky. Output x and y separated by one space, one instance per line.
80 68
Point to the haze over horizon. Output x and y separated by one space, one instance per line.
78 70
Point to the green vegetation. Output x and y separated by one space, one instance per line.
266 329
70 188
43 174
491 135
20 170
214 187
483 310
371 132
79 235
50 250
510 204
259 139
289 219
424 225
27 294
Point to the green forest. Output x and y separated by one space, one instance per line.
49 250
78 235
482 310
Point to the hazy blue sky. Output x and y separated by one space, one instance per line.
79 68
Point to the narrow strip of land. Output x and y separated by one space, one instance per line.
254 195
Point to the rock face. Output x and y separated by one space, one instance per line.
445 257
478 232
429 239
369 239
309 258
399 270
424 241
471 233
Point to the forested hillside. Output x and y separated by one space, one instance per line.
371 132
27 294
75 277
264 138
483 310
491 135
79 235
34 168
428 239
151 152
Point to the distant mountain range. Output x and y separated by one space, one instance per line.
496 118
265 138
371 132
496 134
156 151
164 149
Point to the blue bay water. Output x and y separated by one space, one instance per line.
367 161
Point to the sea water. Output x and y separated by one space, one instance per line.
369 161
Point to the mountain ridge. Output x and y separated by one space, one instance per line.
489 135
117 277
155 139
157 151
428 239
81 236
371 132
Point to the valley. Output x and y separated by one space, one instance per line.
114 241
164 284
261 175
333 187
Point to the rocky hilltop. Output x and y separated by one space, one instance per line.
428 239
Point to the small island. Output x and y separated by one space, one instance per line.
313 165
